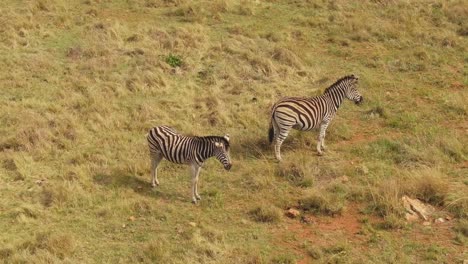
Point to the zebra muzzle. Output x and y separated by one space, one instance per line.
228 167
359 101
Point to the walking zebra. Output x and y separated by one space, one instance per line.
165 142
307 113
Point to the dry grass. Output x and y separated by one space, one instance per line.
323 203
429 185
266 214
83 81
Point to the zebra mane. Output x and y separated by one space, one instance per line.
218 139
345 78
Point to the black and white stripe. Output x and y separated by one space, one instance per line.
165 142
308 113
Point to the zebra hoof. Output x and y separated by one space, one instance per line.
194 201
320 153
199 198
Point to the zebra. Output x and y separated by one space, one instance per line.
306 114
165 142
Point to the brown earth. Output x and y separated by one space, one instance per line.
324 231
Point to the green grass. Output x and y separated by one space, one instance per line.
83 81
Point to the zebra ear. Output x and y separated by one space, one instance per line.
226 137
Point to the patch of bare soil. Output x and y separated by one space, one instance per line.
324 231
321 231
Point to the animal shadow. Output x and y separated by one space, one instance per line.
124 179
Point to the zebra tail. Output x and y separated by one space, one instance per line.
271 132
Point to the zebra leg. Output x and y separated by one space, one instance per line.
280 137
321 138
196 183
155 160
193 171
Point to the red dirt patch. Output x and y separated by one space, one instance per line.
324 231
319 231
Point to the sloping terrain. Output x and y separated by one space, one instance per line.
81 83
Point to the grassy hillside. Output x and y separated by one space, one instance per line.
81 82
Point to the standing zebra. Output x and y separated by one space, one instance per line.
165 142
307 113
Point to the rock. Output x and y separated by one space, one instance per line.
364 169
124 225
40 182
411 217
413 206
192 224
407 205
307 220
132 218
426 223
448 218
293 213
344 179
439 220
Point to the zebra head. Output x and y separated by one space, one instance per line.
351 92
221 151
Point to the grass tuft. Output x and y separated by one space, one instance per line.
155 251
322 203
174 60
429 186
59 245
284 259
297 174
266 214
386 200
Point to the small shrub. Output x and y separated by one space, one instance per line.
57 194
154 252
296 174
386 199
174 60
10 165
429 188
284 259
314 252
266 214
392 221
462 227
458 206
336 248
322 204
337 253
62 245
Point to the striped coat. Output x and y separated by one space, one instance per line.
305 114
165 142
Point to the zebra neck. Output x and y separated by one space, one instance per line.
336 97
205 149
